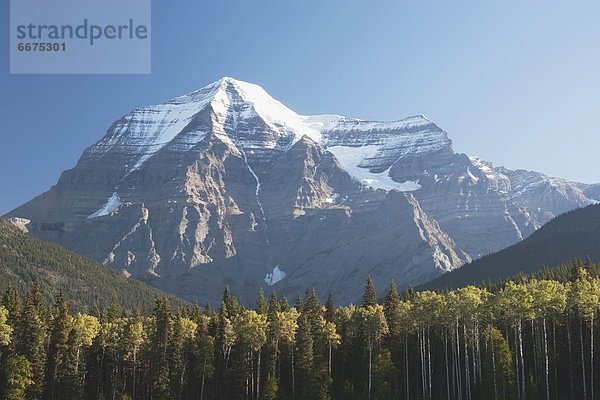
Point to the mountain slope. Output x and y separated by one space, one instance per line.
575 234
25 260
226 185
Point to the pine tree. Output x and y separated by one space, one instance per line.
224 341
370 295
298 301
12 303
273 337
114 310
134 338
30 338
391 304
231 302
304 355
160 342
57 348
18 378
314 312
329 309
284 305
261 304
203 356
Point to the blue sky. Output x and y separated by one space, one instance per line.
515 82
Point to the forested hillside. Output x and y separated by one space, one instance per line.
25 260
575 234
526 339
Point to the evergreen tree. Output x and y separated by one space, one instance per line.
30 340
329 309
231 302
135 337
12 303
160 343
370 295
57 349
18 379
114 310
304 356
391 305
224 341
203 356
261 304
520 340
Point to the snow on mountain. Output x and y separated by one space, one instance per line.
146 130
332 122
389 142
352 160
226 183
275 276
235 105
112 204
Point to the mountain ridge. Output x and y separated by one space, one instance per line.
25 260
225 184
574 234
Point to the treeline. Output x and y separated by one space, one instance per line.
576 232
530 338
25 259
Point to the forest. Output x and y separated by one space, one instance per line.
25 259
526 338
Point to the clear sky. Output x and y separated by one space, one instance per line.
515 82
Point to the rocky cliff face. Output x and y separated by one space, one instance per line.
227 186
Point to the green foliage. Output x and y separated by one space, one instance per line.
370 295
271 390
474 342
5 329
25 260
18 379
385 375
570 235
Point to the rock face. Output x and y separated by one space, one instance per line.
227 186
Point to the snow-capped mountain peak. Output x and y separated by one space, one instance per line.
219 187
248 101
147 130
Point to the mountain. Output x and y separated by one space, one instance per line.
575 234
25 260
227 186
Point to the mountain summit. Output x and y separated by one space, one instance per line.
227 186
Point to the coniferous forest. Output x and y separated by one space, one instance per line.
528 338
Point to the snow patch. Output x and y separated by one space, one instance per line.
112 204
332 199
275 276
351 159
485 167
332 122
511 220
473 177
